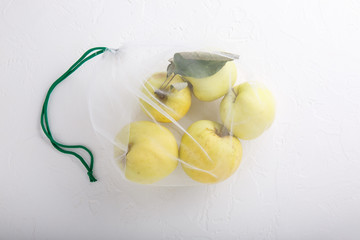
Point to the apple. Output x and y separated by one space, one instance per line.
163 97
248 110
146 152
214 86
208 153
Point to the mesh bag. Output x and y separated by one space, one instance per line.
174 114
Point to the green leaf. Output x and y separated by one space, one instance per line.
179 86
229 55
198 64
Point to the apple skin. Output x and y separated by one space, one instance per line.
151 155
248 110
176 104
223 157
215 86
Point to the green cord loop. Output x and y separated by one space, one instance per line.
44 122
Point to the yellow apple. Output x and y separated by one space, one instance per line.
171 101
215 86
209 154
146 152
248 110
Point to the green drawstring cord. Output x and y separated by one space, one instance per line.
89 54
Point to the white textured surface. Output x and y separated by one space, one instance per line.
300 180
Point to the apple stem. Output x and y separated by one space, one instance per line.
168 82
223 132
161 92
130 144
232 89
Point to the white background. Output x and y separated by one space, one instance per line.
300 180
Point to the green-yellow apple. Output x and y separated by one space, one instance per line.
209 154
214 86
169 99
151 152
248 110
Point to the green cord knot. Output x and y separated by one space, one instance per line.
91 176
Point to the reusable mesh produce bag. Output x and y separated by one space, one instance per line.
172 114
